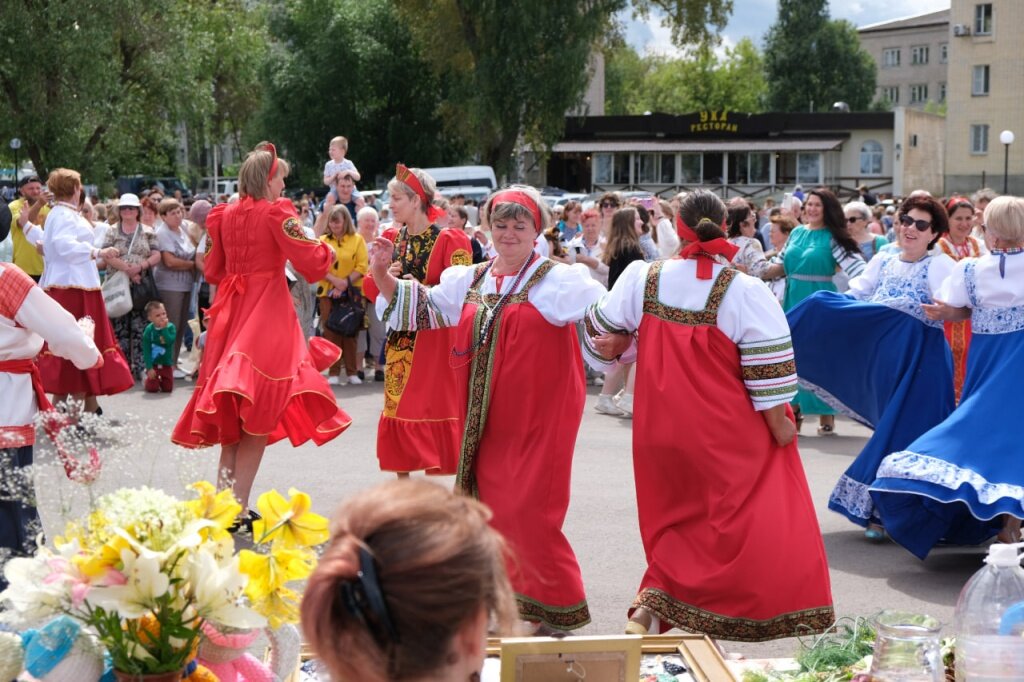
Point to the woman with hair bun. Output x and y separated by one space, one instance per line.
515 458
258 382
729 530
408 586
419 428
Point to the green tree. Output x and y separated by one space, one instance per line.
812 61
517 68
625 75
100 85
329 75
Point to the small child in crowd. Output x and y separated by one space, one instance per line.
338 165
157 344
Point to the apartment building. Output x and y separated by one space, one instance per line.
985 96
911 54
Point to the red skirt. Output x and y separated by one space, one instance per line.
729 530
958 335
60 376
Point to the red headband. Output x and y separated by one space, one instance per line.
704 252
269 147
956 201
520 198
408 178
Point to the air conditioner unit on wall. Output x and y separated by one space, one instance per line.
961 30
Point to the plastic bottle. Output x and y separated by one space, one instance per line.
990 620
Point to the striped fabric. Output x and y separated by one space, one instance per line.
594 325
769 371
851 263
415 310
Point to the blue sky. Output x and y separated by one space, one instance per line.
751 19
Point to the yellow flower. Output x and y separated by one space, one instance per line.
280 607
270 572
298 526
108 556
220 508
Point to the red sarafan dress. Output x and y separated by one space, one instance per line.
729 531
420 428
257 374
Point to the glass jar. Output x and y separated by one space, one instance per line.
907 648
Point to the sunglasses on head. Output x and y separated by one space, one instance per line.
921 225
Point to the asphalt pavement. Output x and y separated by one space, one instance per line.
601 523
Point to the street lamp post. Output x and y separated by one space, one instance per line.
15 145
1006 137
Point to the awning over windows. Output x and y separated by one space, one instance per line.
776 145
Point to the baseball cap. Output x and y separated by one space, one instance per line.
27 179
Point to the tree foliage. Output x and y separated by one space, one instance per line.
699 81
99 85
812 61
328 74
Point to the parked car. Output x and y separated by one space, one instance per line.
225 186
464 176
136 184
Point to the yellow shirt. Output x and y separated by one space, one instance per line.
351 257
25 255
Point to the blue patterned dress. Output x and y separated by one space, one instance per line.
955 481
885 365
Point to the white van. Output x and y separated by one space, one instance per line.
464 176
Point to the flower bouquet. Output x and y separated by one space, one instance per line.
144 573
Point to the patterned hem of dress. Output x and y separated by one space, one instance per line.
556 617
832 401
692 619
947 481
852 499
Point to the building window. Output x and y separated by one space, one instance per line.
871 158
891 57
942 92
655 169
808 168
943 53
611 169
919 93
749 168
760 168
690 169
983 19
919 54
979 139
979 83
891 94
913 140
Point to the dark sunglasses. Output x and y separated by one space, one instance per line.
608 204
853 219
921 225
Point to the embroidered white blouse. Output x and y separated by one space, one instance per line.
749 315
900 285
993 285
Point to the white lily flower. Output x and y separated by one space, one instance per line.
28 597
217 591
145 583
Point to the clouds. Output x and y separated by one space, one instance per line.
752 18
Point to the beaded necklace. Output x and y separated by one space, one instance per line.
494 312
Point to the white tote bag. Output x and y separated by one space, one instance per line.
117 294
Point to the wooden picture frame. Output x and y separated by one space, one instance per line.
571 659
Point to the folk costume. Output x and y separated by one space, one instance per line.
958 332
257 374
954 481
811 258
27 317
71 279
514 456
420 427
885 364
729 531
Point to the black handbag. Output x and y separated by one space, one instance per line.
346 316
144 291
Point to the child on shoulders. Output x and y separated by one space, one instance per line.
338 164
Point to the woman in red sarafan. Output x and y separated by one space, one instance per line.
420 428
258 382
515 457
730 534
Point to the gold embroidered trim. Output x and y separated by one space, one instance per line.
461 257
557 617
776 370
692 619
293 228
707 317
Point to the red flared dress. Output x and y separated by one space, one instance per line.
257 374
730 534
516 458
420 428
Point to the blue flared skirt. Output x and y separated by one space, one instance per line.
953 482
880 366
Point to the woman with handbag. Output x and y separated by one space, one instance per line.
72 279
338 294
137 253
175 274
